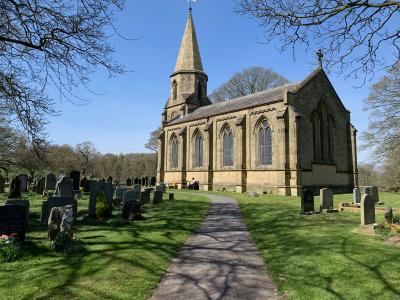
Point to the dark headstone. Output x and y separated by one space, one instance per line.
129 181
20 202
136 181
57 202
307 201
23 178
109 179
153 181
76 177
13 220
145 197
119 193
171 196
131 205
64 187
2 184
40 185
50 182
96 187
367 210
15 189
85 184
157 197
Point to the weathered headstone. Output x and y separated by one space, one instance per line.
136 180
131 204
153 181
64 187
50 182
15 189
119 193
356 195
375 193
57 202
40 186
76 178
109 179
326 197
137 188
13 220
21 202
161 187
367 210
98 186
157 197
171 196
129 181
85 184
307 201
61 219
2 184
145 197
23 178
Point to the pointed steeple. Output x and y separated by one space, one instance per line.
189 54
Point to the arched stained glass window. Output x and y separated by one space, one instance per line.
265 144
228 147
198 151
174 152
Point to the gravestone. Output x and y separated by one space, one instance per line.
119 193
153 181
109 179
15 189
96 187
2 184
20 202
129 181
57 202
139 181
76 178
326 197
13 220
367 210
144 181
50 182
307 201
85 184
64 187
131 204
356 195
161 187
61 219
157 197
171 196
40 186
136 181
145 197
375 193
23 178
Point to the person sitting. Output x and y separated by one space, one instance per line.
193 185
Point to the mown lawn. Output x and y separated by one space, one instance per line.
120 261
318 256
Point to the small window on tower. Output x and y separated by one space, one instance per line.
174 90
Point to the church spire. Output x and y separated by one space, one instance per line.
189 54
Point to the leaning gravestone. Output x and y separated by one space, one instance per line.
50 182
57 202
64 187
23 178
76 178
356 195
15 189
2 184
20 202
367 210
157 197
326 196
96 187
307 201
13 220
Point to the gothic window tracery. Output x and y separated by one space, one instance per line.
174 152
265 144
228 147
198 150
323 130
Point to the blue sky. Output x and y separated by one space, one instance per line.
125 109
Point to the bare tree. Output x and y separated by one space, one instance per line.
383 105
87 153
152 143
351 33
51 43
249 81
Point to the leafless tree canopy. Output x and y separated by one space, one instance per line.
55 43
353 34
383 104
249 81
152 143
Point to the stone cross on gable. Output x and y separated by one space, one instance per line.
320 56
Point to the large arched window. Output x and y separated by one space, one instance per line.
174 90
174 152
265 144
323 134
228 147
198 150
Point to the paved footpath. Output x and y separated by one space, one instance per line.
220 261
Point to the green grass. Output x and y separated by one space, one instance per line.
120 261
318 256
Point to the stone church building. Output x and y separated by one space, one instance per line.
281 140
